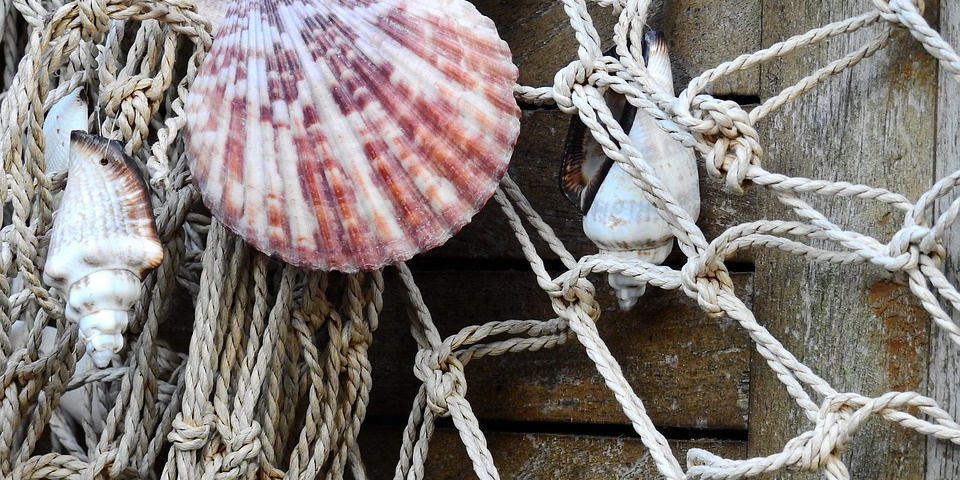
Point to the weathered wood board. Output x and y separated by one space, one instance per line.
943 459
859 331
701 35
690 370
532 455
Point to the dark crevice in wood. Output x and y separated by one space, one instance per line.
555 266
745 100
432 264
532 107
742 100
575 429
740 267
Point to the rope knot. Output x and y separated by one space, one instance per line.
93 18
907 245
187 434
706 281
127 96
442 375
243 445
566 80
820 448
724 127
575 292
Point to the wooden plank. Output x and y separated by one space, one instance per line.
853 327
532 455
540 35
690 370
535 166
542 40
943 459
706 33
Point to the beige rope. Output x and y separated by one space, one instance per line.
271 339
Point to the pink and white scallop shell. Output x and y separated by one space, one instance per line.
351 134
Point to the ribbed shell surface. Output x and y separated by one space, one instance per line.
347 135
105 221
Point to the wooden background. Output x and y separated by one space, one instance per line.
548 415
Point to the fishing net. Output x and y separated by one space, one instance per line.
277 379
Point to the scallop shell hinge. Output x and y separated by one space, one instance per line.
104 242
617 216
347 135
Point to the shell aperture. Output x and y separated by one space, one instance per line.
584 164
65 116
618 218
351 134
104 242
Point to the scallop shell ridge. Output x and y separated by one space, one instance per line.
349 135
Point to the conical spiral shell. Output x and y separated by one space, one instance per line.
103 243
351 134
617 216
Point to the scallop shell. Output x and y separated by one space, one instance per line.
66 115
104 242
619 220
351 134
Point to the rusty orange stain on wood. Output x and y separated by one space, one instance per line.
904 333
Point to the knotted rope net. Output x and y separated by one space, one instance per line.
277 379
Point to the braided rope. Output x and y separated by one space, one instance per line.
268 338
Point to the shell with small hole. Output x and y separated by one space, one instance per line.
617 216
104 242
351 134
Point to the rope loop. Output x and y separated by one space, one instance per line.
573 294
821 449
893 10
566 80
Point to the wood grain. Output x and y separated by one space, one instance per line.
689 370
532 455
540 35
943 459
712 32
701 35
859 331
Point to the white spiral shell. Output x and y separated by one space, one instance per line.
65 116
618 218
104 242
